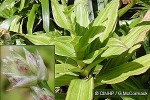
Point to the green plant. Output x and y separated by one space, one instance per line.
99 53
19 17
94 55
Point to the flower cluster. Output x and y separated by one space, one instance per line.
25 72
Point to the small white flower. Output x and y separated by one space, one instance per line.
24 72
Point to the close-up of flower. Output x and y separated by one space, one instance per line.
24 72
27 70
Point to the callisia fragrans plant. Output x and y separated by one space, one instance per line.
29 72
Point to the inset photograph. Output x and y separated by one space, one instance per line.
27 72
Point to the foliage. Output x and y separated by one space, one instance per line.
94 50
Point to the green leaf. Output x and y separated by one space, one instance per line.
97 69
107 17
63 39
91 57
61 68
7 3
45 14
63 16
82 16
135 22
64 59
92 65
6 23
8 12
64 79
64 49
123 10
41 39
31 18
22 3
90 35
80 89
116 47
58 14
64 46
15 24
120 73
131 41
75 40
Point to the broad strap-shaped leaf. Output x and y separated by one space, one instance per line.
120 73
137 34
92 56
61 68
64 79
107 17
31 18
40 39
62 48
119 45
58 14
91 66
45 14
135 21
82 16
22 3
123 10
6 23
64 39
15 24
65 60
116 47
80 89
90 35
